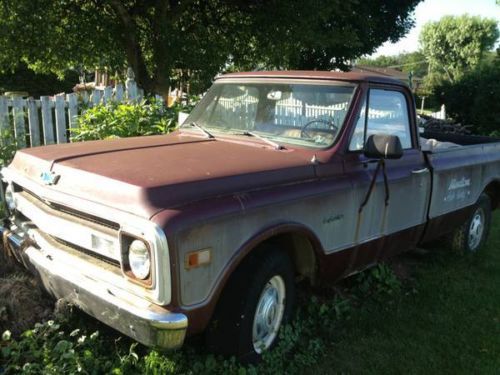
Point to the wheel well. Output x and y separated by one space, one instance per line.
299 247
493 191
300 250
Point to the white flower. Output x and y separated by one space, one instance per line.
75 332
6 335
82 339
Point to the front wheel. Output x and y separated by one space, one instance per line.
257 301
471 236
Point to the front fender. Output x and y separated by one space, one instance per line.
199 314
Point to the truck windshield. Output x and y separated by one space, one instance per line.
308 115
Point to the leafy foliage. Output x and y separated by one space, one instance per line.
454 45
24 79
116 119
378 282
154 38
8 147
59 348
473 99
406 62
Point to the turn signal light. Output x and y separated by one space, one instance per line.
198 258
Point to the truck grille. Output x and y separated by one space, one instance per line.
74 230
82 250
70 211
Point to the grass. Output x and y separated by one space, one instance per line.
450 325
442 318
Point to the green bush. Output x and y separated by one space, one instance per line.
474 99
377 283
114 119
8 147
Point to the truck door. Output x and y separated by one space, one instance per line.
385 228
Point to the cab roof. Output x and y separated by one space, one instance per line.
315 74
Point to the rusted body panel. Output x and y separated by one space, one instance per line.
142 175
231 194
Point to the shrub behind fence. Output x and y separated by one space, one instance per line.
49 120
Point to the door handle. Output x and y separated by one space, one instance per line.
420 171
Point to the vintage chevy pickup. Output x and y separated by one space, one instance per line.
274 178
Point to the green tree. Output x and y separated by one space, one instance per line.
24 79
382 61
155 37
454 45
473 99
406 62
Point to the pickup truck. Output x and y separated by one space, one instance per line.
274 178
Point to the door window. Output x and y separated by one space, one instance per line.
387 114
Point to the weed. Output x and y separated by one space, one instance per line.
58 347
378 282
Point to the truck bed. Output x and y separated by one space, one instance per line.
460 139
460 174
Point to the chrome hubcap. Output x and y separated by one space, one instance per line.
476 229
269 314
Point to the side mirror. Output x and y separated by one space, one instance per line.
383 146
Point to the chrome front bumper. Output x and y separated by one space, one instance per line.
135 317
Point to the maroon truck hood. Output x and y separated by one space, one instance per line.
147 174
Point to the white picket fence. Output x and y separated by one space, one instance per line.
288 112
49 120
441 114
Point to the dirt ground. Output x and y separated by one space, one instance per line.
22 303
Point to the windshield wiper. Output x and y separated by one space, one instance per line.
268 141
199 127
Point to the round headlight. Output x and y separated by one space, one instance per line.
9 198
139 259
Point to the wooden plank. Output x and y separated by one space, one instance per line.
62 136
72 110
108 94
4 114
131 89
119 92
85 98
95 98
33 122
47 120
19 123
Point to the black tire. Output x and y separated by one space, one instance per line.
231 329
460 239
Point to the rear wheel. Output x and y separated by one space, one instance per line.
472 235
257 301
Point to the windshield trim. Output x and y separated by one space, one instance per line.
307 81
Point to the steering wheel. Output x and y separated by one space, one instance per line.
331 126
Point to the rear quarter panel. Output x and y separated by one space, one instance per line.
460 175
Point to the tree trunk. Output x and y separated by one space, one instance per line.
135 56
